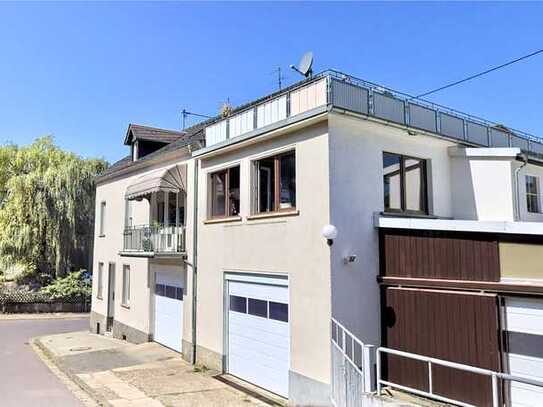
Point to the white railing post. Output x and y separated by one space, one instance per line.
430 380
495 395
367 367
378 370
344 363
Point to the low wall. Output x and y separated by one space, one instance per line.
40 307
12 302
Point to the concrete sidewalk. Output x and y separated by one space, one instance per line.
120 374
45 315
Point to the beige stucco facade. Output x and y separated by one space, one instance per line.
356 194
136 320
282 245
521 261
339 181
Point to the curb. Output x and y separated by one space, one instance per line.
41 317
77 386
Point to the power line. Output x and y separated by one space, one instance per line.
479 74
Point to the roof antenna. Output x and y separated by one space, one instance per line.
185 113
305 66
280 77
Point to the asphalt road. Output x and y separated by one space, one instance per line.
24 380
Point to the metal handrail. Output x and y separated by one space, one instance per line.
454 365
156 238
423 102
352 370
406 99
343 345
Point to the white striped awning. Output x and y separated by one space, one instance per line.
171 179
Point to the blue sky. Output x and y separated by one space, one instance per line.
83 71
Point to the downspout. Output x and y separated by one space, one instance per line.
194 258
524 158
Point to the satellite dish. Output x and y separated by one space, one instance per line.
304 67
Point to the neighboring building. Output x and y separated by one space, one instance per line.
143 236
423 198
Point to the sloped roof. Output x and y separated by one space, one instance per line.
117 166
139 132
191 135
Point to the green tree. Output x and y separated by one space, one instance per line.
46 207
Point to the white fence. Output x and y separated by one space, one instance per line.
494 376
353 368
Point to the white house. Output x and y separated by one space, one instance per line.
254 297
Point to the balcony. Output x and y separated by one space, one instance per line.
156 240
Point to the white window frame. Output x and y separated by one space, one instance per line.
100 283
126 285
531 194
102 219
128 214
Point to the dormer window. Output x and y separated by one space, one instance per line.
145 140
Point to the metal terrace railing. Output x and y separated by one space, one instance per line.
495 377
401 108
352 367
335 89
155 239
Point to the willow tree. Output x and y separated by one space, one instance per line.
46 207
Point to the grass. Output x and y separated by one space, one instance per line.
200 368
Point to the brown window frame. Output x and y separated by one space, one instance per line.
277 184
227 208
424 185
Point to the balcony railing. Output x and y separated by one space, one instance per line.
154 239
336 89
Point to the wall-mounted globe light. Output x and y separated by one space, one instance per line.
329 232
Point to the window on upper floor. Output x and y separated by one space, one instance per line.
176 208
169 208
102 219
100 282
404 183
128 214
275 183
126 285
224 192
532 194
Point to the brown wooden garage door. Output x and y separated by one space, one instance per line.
459 327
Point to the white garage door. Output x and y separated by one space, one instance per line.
258 334
169 309
524 324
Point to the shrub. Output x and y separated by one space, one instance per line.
75 284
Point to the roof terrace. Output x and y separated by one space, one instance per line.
332 89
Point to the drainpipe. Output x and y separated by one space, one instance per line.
194 258
524 158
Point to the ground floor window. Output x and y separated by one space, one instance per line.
100 284
126 284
